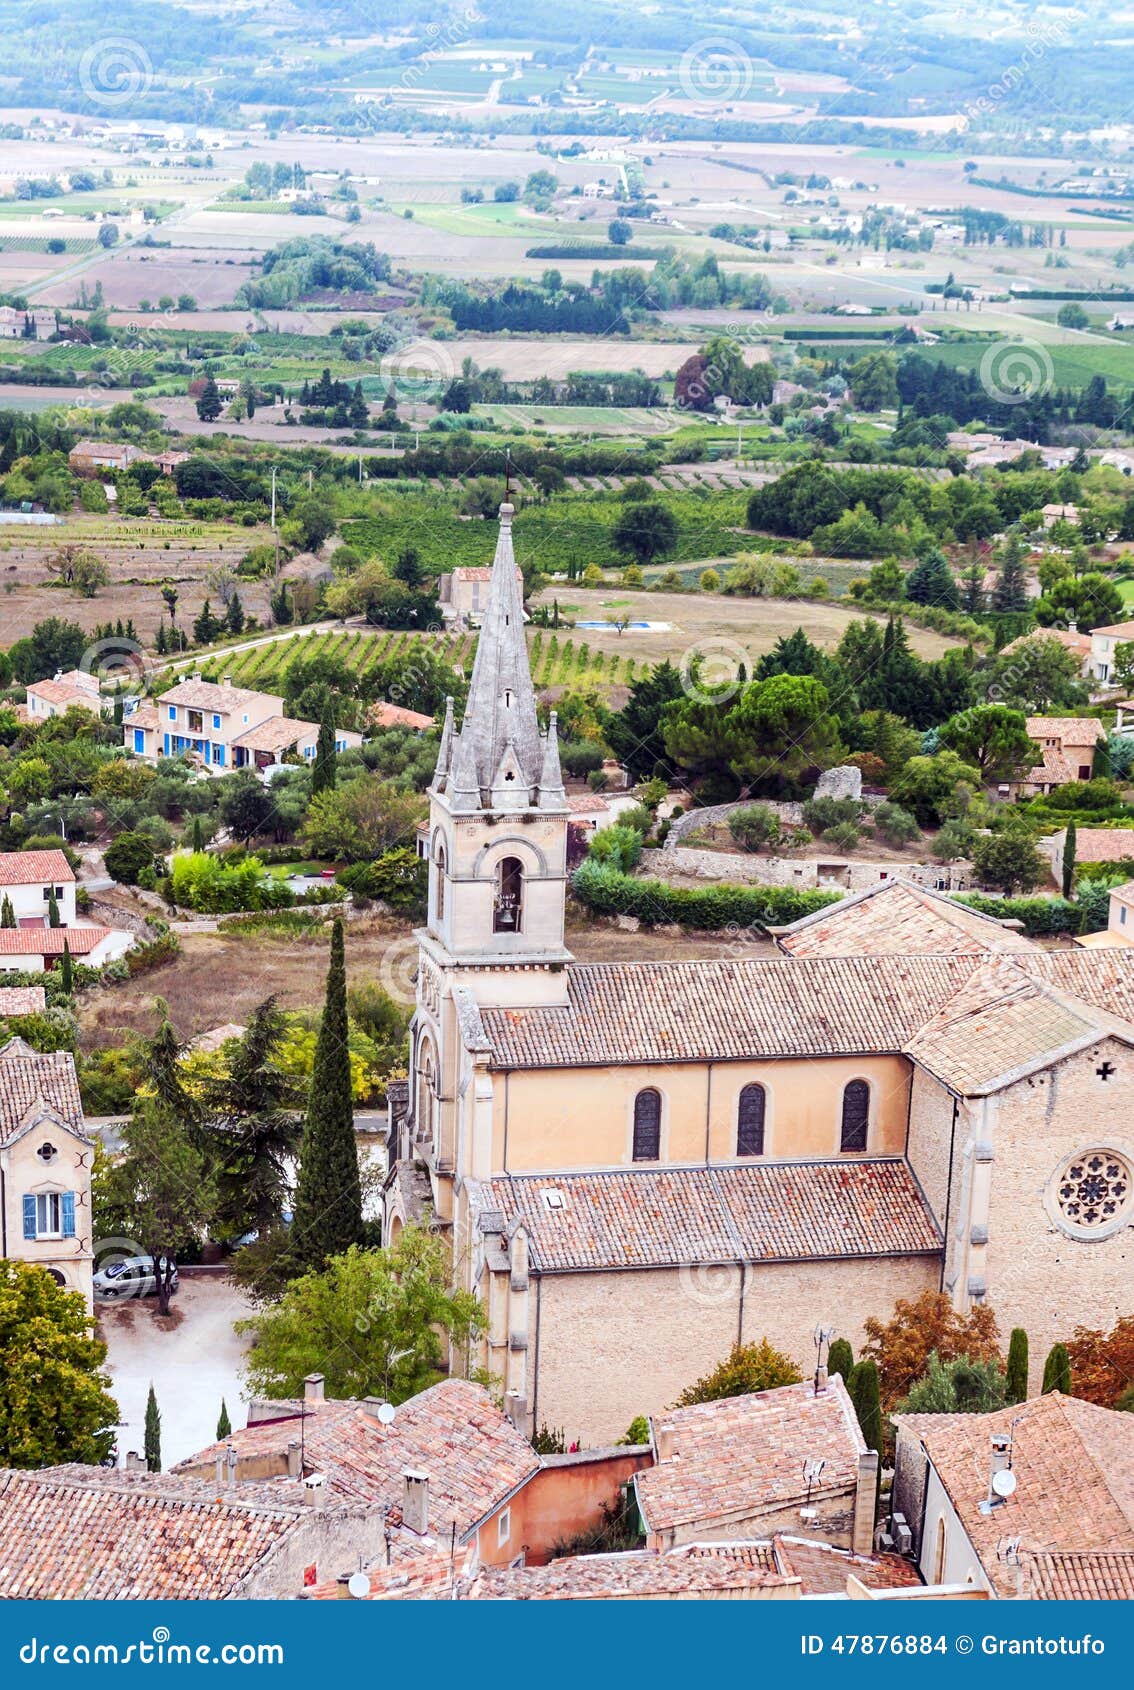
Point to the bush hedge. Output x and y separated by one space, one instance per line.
1042 917
606 891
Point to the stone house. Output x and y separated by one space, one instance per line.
643 1162
45 1166
1092 845
1066 746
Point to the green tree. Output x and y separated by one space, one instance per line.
1068 865
935 788
252 1108
619 231
328 1198
224 1424
635 733
66 971
1036 675
7 913
1016 1381
55 1403
53 917
1011 590
324 772
209 402
129 856
1090 601
746 1368
152 1444
840 1359
1057 1371
1072 316
1008 861
865 1391
646 530
162 1189
959 1386
990 737
874 382
373 1322
931 582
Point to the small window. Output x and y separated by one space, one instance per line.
507 913
173 712
750 1122
48 1215
503 1527
216 720
856 1115
647 1125
1122 915
439 882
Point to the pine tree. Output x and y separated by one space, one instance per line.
864 1388
161 645
209 404
1069 846
153 1433
328 1197
7 913
66 971
234 616
205 625
53 916
1016 1381
224 1424
1011 589
324 772
1057 1371
840 1359
198 834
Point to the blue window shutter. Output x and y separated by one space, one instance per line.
29 1217
67 1206
139 739
173 712
218 755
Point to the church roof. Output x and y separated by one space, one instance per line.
705 1216
499 759
898 918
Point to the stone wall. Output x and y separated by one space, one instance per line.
789 812
842 873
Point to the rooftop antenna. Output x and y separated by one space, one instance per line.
812 1473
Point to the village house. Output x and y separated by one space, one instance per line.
35 324
29 879
91 457
45 1166
223 728
384 715
1092 845
1069 638
75 689
1060 513
1034 1501
644 1162
1066 746
1103 644
463 593
1119 929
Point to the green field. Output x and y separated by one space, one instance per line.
1073 362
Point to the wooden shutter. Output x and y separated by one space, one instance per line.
67 1212
29 1217
647 1126
750 1122
856 1115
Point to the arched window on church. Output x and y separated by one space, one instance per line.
425 1095
439 895
750 1122
647 1125
856 1115
508 909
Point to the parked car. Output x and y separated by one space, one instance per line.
133 1276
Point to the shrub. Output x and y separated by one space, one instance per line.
399 878
202 882
844 835
823 813
896 825
607 891
639 817
746 1368
619 846
755 825
129 856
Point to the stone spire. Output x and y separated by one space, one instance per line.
551 793
445 749
499 758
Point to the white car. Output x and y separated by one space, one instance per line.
131 1276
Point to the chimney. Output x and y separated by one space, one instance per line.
220 1470
665 1438
1072 627
820 1381
415 1501
370 1407
135 1463
315 1489
313 1388
226 680
294 1459
865 1503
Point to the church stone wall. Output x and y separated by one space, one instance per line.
1038 1276
614 1345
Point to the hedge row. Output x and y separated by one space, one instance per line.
606 891
1042 917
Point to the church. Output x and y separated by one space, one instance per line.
640 1163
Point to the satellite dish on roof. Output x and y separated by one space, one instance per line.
1004 1482
386 1414
359 1586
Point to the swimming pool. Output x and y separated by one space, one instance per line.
612 627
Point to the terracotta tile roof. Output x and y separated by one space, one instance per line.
897 918
1105 845
64 692
1078 643
685 1011
1118 630
586 804
145 716
49 941
454 1432
423 1578
207 695
34 868
275 734
772 1211
22 1000
1074 1467
31 1079
823 1569
82 1532
737 1458
699 1570
384 715
1068 730
1080 1578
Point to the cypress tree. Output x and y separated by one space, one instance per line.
864 1388
7 913
325 770
328 1197
67 971
1016 1381
53 918
1069 847
153 1433
198 834
840 1359
224 1424
1057 1371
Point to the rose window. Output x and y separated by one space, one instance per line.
1093 1191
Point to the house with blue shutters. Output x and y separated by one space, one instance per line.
222 728
45 1166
